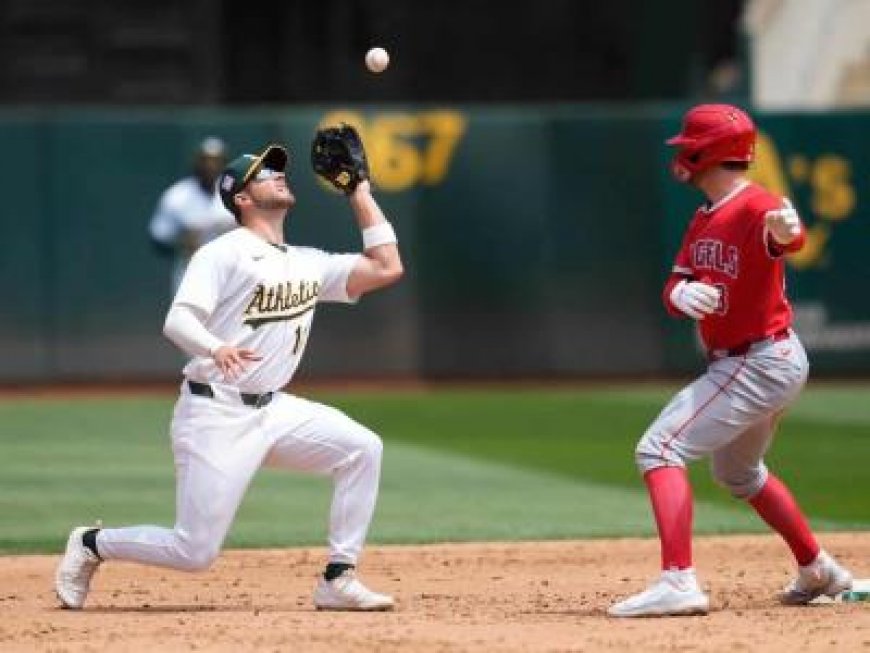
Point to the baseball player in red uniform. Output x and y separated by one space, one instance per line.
728 276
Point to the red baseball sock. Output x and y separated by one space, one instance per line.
776 506
671 496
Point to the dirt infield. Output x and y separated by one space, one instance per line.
536 596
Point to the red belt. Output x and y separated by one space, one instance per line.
744 347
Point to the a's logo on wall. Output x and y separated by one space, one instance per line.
283 301
821 184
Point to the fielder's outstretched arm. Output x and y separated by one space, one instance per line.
380 264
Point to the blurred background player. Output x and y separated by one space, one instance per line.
729 276
190 212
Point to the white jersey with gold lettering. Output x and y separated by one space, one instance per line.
262 297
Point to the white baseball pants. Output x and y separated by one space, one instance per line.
219 443
730 414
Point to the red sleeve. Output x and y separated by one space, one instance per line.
768 202
672 281
777 249
682 269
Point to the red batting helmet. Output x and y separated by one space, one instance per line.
712 134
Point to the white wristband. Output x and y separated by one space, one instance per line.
378 234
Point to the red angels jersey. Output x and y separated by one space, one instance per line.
727 245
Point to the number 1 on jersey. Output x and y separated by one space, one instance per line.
722 306
298 343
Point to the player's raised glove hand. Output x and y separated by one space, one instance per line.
695 298
784 224
337 155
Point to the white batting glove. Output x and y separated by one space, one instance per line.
695 298
783 224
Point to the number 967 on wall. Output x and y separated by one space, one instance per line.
406 149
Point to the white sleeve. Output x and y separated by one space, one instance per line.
335 270
184 326
222 218
202 281
164 226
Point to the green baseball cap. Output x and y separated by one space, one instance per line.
240 170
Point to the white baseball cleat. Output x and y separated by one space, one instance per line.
822 576
78 565
347 593
676 592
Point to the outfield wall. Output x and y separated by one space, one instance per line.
536 238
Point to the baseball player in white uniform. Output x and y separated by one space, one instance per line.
244 313
190 212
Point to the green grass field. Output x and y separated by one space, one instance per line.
459 464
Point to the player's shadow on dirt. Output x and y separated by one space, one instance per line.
584 612
189 609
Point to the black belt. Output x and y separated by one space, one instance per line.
743 348
248 398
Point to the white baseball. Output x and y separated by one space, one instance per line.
377 60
